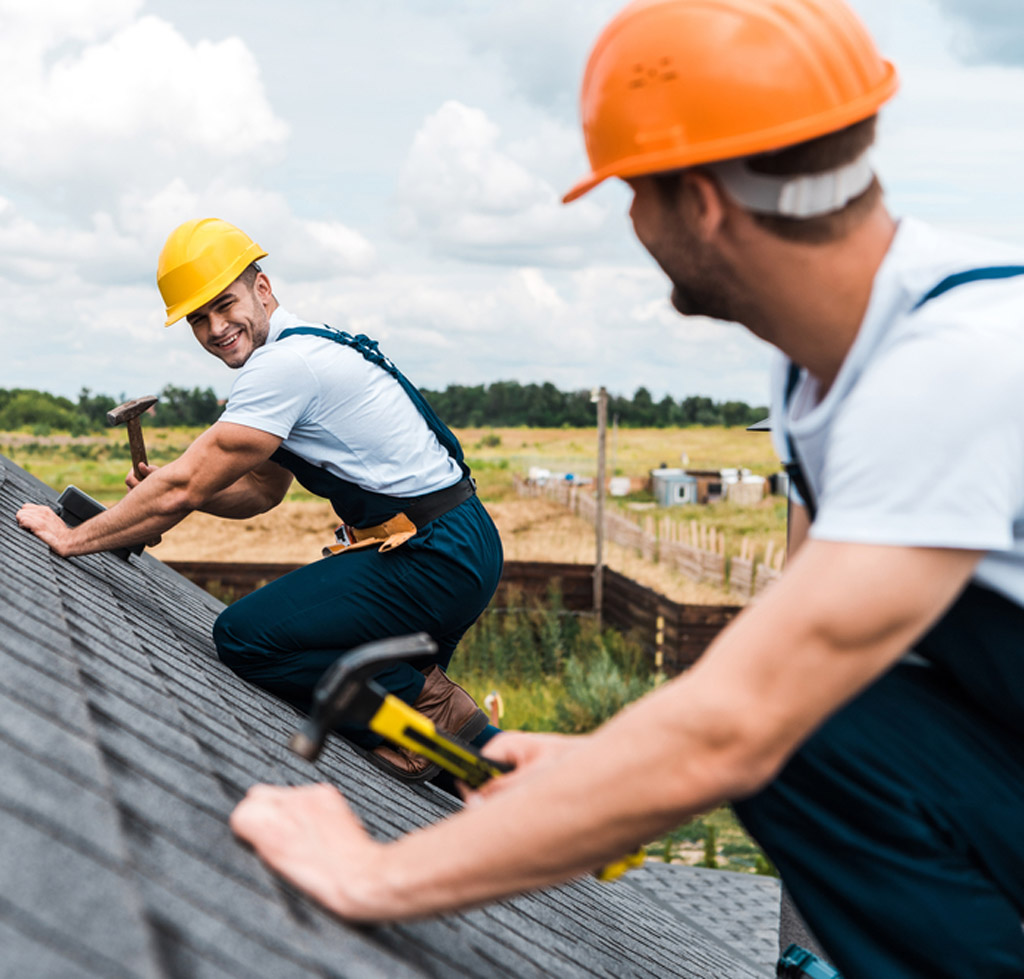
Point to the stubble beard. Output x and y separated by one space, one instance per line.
707 291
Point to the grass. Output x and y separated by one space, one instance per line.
97 464
630 451
557 672
715 840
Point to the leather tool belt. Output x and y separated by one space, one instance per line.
416 513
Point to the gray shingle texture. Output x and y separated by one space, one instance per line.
124 746
739 909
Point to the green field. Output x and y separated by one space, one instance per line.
97 464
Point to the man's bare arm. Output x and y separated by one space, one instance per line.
841 615
256 492
221 456
252 494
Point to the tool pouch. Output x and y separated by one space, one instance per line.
385 537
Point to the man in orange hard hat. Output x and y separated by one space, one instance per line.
417 551
867 713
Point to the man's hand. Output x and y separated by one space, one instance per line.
131 480
46 525
311 838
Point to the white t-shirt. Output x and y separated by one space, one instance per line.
338 411
920 440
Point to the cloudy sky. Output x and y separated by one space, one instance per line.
402 161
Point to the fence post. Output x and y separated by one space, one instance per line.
601 397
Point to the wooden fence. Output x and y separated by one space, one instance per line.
675 634
694 550
749 576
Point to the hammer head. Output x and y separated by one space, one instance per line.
130 409
337 700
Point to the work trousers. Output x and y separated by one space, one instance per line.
899 830
283 636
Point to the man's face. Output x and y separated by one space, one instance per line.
701 284
234 323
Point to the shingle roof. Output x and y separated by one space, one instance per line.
124 746
741 910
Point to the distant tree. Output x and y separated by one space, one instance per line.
668 413
642 413
700 411
509 403
94 407
24 407
181 406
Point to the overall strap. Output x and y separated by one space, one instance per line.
793 467
370 351
971 275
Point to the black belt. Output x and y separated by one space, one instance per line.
422 509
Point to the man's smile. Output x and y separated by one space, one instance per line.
227 342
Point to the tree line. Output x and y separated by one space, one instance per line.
502 404
43 412
511 404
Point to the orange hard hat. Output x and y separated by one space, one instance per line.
675 83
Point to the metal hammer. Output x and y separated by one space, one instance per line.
128 414
346 694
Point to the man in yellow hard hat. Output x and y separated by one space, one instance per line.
867 713
417 551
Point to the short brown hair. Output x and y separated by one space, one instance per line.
813 156
249 273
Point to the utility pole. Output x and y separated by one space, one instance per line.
601 397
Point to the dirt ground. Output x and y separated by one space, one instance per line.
531 530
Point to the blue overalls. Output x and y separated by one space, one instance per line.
283 636
898 827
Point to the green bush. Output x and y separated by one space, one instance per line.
533 642
596 690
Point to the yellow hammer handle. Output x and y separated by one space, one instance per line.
401 724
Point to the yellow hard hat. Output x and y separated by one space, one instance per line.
200 259
676 83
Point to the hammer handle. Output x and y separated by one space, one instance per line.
137 446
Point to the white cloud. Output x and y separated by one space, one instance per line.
470 197
126 117
29 27
122 129
608 325
542 45
134 108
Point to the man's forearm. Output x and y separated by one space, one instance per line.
141 516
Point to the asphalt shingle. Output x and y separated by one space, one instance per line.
124 746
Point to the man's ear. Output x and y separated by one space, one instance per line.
707 203
261 287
